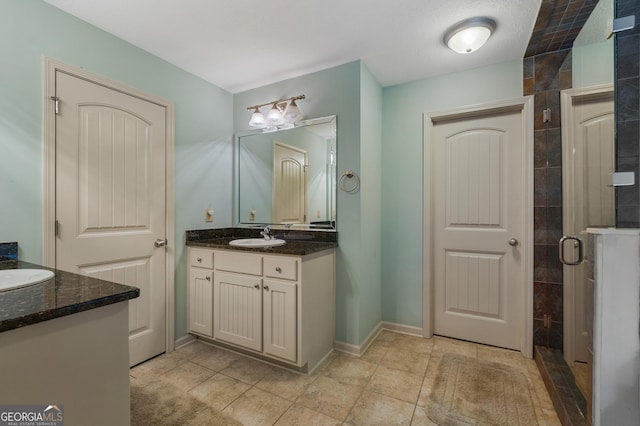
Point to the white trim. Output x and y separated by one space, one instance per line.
184 341
568 289
50 66
409 330
358 350
524 104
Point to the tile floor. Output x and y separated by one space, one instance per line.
389 384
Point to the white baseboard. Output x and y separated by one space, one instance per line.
403 329
358 350
184 340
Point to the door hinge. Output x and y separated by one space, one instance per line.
56 104
56 228
546 115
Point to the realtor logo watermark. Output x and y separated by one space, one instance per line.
31 415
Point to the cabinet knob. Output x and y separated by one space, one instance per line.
266 288
257 286
208 278
278 269
199 260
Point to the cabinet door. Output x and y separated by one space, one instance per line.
238 310
280 319
201 301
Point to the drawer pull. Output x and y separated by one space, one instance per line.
199 260
257 286
208 278
278 269
266 288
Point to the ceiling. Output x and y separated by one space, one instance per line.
240 45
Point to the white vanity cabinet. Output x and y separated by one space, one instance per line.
200 279
278 306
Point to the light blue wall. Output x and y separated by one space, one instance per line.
402 158
370 202
338 91
592 64
203 124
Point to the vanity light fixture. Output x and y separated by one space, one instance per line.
283 114
469 35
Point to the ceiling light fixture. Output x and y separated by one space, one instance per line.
469 35
283 114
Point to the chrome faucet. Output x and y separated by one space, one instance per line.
266 234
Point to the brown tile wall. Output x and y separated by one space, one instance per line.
544 76
627 115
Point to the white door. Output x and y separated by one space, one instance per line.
110 199
589 199
201 301
478 200
289 184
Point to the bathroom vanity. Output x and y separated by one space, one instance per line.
275 303
65 342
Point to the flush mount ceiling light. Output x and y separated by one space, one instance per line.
283 114
469 35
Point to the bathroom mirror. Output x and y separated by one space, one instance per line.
288 177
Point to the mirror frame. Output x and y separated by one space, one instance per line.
236 178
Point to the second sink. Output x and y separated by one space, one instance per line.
256 242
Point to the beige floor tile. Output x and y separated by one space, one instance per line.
330 397
376 352
190 350
375 409
508 357
215 358
284 383
420 418
405 360
247 370
187 375
414 344
386 336
219 391
429 378
297 415
155 367
257 407
446 345
350 370
396 384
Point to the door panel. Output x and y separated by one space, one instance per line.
477 208
289 184
201 301
110 198
238 309
280 319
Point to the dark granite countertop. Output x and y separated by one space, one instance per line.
64 294
299 243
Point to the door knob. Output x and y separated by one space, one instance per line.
513 242
160 243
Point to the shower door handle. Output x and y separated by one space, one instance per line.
578 243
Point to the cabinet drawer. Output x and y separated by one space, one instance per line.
201 257
238 262
285 268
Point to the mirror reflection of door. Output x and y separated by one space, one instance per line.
289 184
588 202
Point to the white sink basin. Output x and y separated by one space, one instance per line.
256 242
15 278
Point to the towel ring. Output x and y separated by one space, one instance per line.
343 179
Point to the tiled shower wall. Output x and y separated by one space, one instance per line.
544 76
627 115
